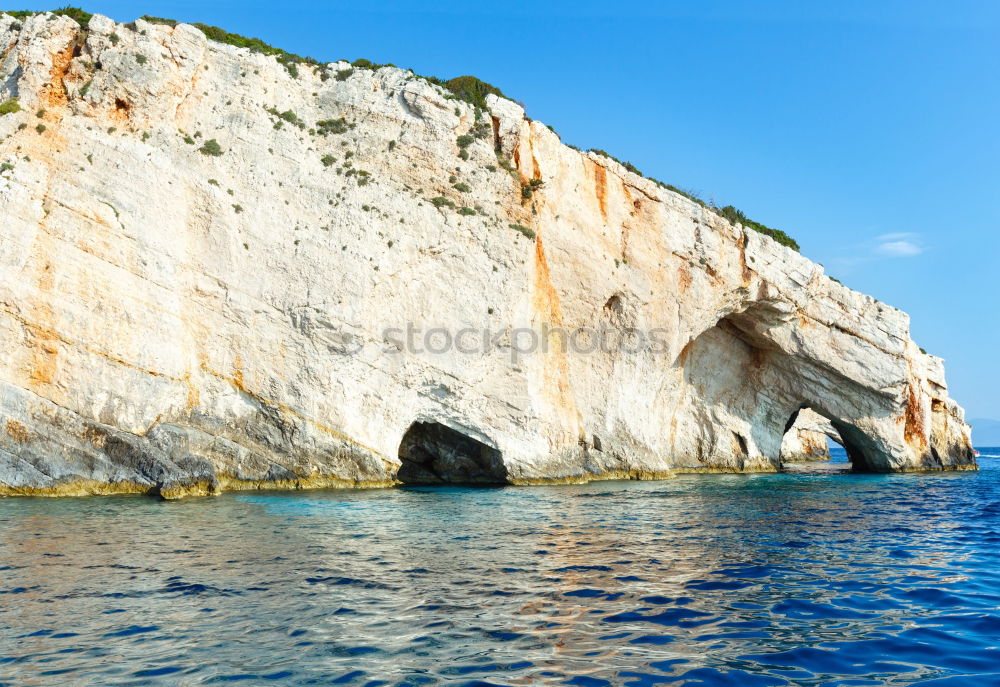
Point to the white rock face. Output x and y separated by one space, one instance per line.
180 322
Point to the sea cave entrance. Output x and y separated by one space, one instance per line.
433 453
808 429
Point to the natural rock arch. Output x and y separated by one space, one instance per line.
433 453
812 427
747 380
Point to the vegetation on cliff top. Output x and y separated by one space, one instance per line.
288 60
75 13
734 215
466 88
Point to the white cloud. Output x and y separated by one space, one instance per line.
901 245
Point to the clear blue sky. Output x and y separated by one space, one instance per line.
866 130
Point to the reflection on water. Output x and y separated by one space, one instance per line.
802 579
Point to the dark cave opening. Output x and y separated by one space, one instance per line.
432 453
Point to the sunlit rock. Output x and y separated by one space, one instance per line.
208 268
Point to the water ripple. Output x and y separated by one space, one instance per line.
799 579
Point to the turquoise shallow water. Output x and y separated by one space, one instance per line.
805 579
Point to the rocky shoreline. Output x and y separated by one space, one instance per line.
209 259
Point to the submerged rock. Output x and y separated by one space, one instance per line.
217 274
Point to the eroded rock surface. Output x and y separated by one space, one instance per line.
181 322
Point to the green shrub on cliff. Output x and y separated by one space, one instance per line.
362 63
529 188
734 215
287 116
635 170
75 13
325 127
624 163
158 20
9 107
728 212
289 61
468 88
524 230
210 147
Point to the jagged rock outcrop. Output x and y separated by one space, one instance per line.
806 440
182 319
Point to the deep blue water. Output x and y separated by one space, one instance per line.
800 579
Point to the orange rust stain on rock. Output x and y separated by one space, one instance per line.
535 171
16 431
238 374
193 394
684 278
913 430
744 268
55 90
555 366
44 357
546 300
601 189
45 351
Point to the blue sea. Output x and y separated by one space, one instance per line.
811 578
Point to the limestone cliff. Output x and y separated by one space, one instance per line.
207 261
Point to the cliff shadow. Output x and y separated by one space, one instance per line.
432 453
